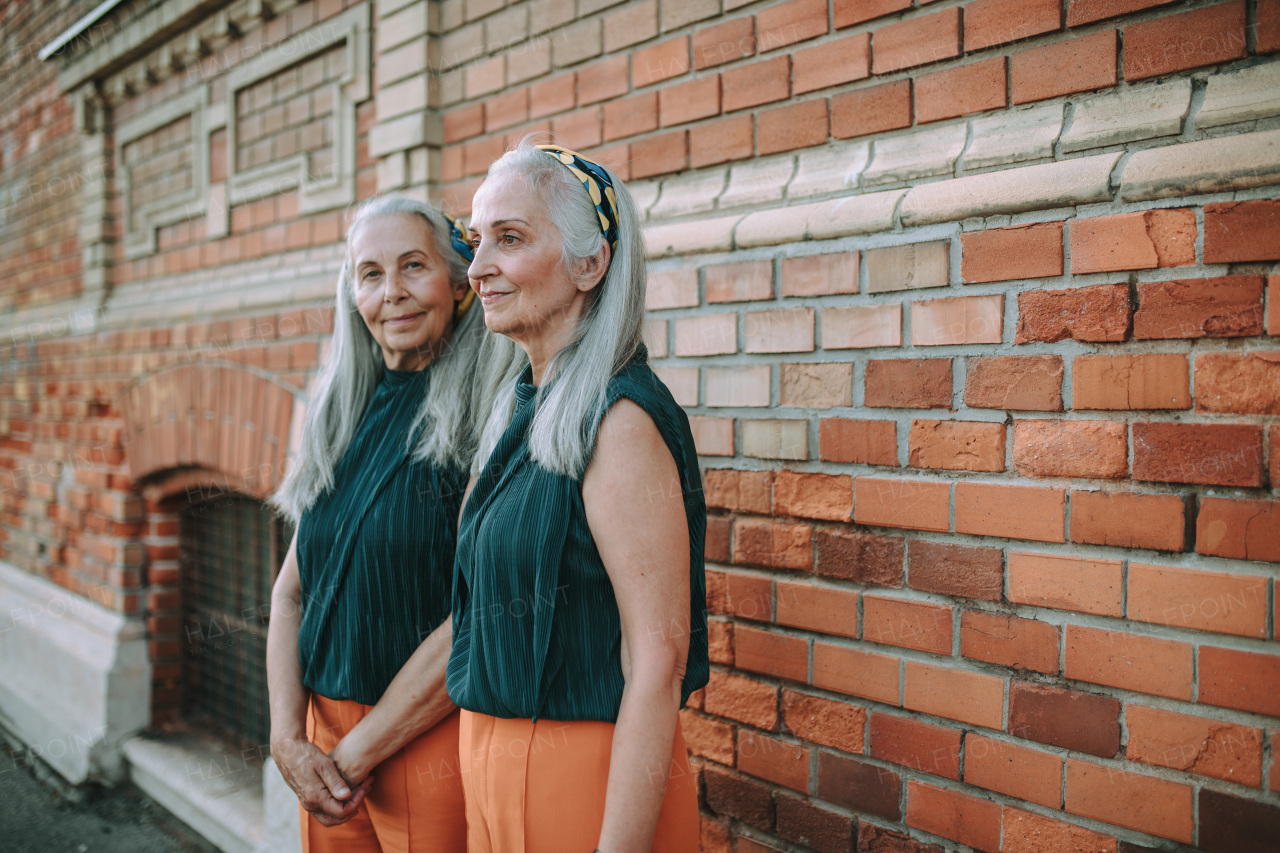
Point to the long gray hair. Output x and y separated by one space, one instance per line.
571 397
446 429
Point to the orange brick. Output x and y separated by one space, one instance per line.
820 275
1076 65
1267 29
743 699
660 62
790 22
1203 601
738 491
757 83
1009 641
1133 241
1225 307
956 445
1096 313
745 281
1128 799
1274 737
690 101
1241 530
794 126
773 760
842 61
861 557
824 496
778 545
1120 382
721 141
909 624
817 720
1188 40
862 326
871 110
1025 832
970 697
556 95
1214 454
911 743
908 383
910 504
782 330
629 116
856 673
1207 747
866 442
1007 768
1129 661
578 129
603 80
1005 254
1066 583
1128 520
712 436
830 611
707 738
1060 448
658 155
1273 305
1027 382
1244 680
770 653
960 570
1015 512
747 596
464 123
1241 383
850 12
1236 231
724 42
991 22
953 815
958 320
1086 11
916 41
970 88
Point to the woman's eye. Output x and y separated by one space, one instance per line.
413 265
508 239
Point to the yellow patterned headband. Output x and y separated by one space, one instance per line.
461 245
599 187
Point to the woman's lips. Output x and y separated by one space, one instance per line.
492 296
402 320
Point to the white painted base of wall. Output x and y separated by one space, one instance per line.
75 678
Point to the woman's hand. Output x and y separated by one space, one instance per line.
350 759
317 781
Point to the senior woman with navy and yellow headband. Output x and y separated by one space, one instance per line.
361 726
579 606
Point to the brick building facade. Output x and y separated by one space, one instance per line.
972 304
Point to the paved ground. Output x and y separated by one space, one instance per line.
39 815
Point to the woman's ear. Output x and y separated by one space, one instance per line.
591 270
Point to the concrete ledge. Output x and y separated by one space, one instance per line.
1207 166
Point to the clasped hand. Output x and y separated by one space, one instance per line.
322 782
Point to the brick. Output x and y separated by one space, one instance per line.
956 445
1240 383
875 839
689 101
910 504
908 383
932 151
758 83
1187 40
741 282
855 673
660 62
737 386
1077 65
1198 600
961 570
1243 680
1009 641
1083 722
850 12
631 24
781 330
862 326
1096 313
1028 383
1015 512
659 154
910 267
958 320
707 738
775 438
1025 832
1017 771
1238 529
1213 748
822 496
547 97
1230 824
859 785
743 699
1086 11
1238 231
1273 305
707 334
972 88
953 815
820 275
817 385
770 654
731 795
1128 382
1133 241
682 382
1230 306
747 596
677 13
1129 799
629 116
1129 661
603 80
1012 137
717 543
841 61
860 441
1128 520
814 826
909 624
790 22
991 22
580 129
463 123
911 743
871 110
738 491
774 544
916 41
1061 448
1126 116
970 697
830 723
860 557
1267 29
1213 454
724 42
794 126
1016 252
1066 583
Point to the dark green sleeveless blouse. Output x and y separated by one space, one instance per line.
536 630
375 552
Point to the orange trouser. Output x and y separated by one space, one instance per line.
540 787
416 804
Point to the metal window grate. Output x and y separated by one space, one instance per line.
231 550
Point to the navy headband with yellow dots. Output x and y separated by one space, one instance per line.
461 245
599 186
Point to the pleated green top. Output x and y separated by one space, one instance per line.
536 630
375 552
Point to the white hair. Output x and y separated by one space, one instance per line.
572 395
446 428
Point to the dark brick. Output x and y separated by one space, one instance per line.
732 795
1235 825
1067 718
862 557
968 571
1213 454
874 839
804 823
860 786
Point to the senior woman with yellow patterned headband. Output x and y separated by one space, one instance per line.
360 627
579 603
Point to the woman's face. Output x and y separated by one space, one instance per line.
402 288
